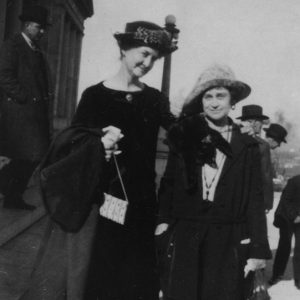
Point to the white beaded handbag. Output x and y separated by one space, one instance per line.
114 208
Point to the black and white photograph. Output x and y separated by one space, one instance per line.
149 150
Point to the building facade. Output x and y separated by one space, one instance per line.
62 45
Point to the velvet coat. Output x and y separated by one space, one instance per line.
289 205
126 261
201 253
25 101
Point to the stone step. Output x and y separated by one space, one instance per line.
15 221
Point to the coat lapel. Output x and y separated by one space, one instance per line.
238 144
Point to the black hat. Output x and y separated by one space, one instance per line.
277 132
252 112
37 14
142 33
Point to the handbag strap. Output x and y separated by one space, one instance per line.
120 177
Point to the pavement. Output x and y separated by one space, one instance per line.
285 289
17 258
21 233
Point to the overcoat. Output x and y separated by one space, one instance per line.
25 101
126 253
267 172
289 205
202 255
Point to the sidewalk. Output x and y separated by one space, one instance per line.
13 222
285 289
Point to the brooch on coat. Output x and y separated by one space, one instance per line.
196 142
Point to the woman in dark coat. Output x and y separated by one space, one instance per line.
212 226
126 263
104 259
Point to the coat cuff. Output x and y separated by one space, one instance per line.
260 251
164 219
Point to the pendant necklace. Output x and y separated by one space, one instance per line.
219 165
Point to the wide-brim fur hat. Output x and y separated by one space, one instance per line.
216 76
37 14
143 33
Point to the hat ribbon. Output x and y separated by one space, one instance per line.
149 36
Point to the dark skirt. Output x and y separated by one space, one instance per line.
126 261
200 262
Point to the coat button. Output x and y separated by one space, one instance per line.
169 255
9 99
129 97
171 244
34 99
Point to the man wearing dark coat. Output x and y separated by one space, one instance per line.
253 115
287 219
25 106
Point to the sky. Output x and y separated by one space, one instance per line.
258 39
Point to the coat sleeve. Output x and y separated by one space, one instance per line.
256 218
84 112
166 117
166 190
71 182
289 200
9 73
267 175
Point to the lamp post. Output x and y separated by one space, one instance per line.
170 27
162 148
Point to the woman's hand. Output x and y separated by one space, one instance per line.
254 264
110 140
297 220
4 161
161 228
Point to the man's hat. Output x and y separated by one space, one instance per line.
252 112
37 14
142 33
277 132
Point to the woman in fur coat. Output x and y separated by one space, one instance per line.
212 227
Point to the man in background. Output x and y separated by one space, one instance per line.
287 219
275 135
25 106
253 118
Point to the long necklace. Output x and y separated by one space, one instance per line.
219 165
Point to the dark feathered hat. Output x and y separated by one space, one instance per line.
142 33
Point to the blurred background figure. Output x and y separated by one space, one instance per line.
275 135
25 104
253 120
287 219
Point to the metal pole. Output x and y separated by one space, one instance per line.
170 27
